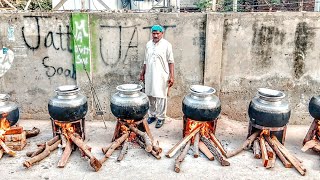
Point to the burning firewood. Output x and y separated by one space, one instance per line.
218 144
46 152
33 132
264 153
196 145
215 151
256 149
284 161
244 146
204 149
181 157
145 136
6 149
66 154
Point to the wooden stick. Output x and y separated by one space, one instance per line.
1 153
46 152
264 154
218 144
181 157
196 145
182 142
215 152
14 130
145 137
6 149
156 147
51 141
105 149
204 149
113 146
256 149
271 155
311 132
146 127
284 161
153 152
299 167
33 132
42 146
124 150
308 145
76 139
66 154
244 145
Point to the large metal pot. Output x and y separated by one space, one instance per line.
129 102
314 107
201 104
269 109
68 104
8 110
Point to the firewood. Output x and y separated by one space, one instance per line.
204 149
117 130
182 142
181 157
145 137
311 132
33 132
284 161
113 146
270 152
66 154
14 137
256 149
196 145
42 147
215 152
308 145
63 140
245 145
156 147
1 153
6 149
105 149
218 144
294 161
146 127
14 130
153 152
76 139
271 155
264 153
46 152
124 150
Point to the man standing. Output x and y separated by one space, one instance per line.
158 74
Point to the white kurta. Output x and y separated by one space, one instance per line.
157 68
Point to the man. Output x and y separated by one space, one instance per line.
158 74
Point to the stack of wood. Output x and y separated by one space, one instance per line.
267 147
65 140
201 136
130 131
312 139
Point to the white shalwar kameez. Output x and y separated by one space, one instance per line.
158 56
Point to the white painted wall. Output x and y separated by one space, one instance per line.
89 4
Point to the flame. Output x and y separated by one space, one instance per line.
66 127
205 130
4 124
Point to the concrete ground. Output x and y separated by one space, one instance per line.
138 164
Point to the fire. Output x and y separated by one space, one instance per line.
205 130
4 124
66 127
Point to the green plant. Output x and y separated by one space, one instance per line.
203 4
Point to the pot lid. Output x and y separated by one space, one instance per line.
202 89
271 93
67 88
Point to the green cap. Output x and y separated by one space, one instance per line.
157 28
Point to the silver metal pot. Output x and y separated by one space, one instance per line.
201 104
8 110
269 108
68 104
129 102
314 107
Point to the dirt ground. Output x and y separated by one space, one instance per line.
138 164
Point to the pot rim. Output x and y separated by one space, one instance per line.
271 94
202 90
67 89
4 97
129 87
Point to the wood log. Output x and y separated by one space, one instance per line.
105 149
182 142
117 130
308 145
66 154
270 152
215 152
156 147
181 157
204 149
46 152
6 149
256 149
311 132
294 161
114 145
247 143
264 153
124 150
14 137
218 144
196 145
284 161
271 155
14 130
146 127
76 139
144 135
64 140
153 152
33 132
1 153
42 147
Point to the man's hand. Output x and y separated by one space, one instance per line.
142 77
170 81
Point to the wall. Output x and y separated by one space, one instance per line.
234 53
